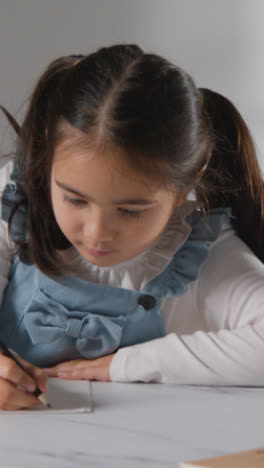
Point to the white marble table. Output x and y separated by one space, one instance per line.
136 426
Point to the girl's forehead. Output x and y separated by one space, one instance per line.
77 151
89 155
105 177
82 164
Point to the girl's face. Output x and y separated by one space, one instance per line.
104 208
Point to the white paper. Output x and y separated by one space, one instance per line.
67 396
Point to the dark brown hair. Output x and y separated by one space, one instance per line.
233 177
147 106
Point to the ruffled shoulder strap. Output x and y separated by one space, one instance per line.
187 261
15 196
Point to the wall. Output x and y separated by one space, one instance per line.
219 42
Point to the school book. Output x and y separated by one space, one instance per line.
66 396
246 459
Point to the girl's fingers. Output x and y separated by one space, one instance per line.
17 385
79 369
12 398
9 370
28 379
39 376
86 373
68 365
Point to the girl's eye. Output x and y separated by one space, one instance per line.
74 201
123 212
133 214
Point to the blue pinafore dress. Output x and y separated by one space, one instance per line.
48 320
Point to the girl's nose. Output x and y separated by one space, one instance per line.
99 228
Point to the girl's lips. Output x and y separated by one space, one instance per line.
98 253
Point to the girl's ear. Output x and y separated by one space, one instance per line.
199 176
182 196
202 171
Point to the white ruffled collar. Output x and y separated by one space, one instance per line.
137 271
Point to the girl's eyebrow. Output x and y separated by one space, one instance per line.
135 201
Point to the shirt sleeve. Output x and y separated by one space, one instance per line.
6 244
229 347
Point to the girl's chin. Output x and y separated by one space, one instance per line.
103 261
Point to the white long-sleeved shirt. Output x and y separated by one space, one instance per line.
215 332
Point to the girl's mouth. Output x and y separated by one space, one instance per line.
98 253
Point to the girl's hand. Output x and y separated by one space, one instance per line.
83 369
12 377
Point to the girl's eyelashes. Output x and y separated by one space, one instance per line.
74 201
135 214
122 211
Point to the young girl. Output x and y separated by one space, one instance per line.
135 245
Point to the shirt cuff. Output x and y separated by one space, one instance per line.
136 363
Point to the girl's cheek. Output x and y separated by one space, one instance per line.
73 224
141 230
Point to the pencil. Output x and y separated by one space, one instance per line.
37 392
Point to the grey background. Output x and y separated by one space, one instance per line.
219 42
